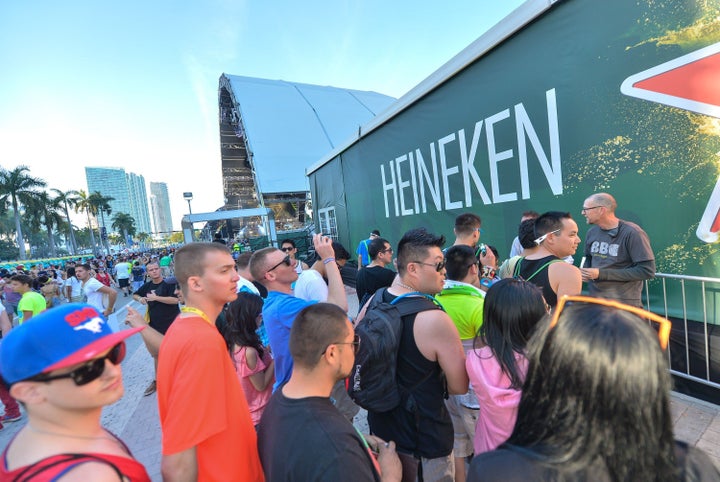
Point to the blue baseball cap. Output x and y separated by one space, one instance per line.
57 338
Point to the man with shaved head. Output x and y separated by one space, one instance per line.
618 256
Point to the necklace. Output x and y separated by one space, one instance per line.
200 313
402 285
81 437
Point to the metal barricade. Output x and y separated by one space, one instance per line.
692 331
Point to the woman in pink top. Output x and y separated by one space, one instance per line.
253 362
497 364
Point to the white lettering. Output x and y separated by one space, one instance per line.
494 157
402 185
389 186
468 166
424 179
413 178
447 172
524 127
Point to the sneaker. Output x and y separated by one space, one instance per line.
150 389
10 418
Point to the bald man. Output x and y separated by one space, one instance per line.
618 256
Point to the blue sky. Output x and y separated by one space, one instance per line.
134 84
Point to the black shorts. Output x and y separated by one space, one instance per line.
124 282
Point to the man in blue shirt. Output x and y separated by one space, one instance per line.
276 271
362 249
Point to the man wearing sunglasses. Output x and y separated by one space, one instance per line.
556 237
301 424
63 383
276 271
376 275
431 362
618 256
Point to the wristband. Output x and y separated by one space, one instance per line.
328 260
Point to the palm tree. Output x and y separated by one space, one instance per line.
46 212
125 223
17 187
84 203
143 237
102 206
68 200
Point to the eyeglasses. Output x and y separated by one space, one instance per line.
590 209
287 250
389 250
285 260
91 370
542 238
663 330
355 343
438 267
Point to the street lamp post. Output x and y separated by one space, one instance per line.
188 196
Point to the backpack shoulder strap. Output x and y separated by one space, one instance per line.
543 267
415 302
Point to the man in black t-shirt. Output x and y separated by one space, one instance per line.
302 436
376 275
162 305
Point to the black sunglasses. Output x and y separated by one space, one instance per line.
89 371
285 260
287 250
438 266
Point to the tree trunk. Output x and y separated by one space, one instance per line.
92 235
73 243
51 241
19 234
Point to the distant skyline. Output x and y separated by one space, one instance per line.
134 84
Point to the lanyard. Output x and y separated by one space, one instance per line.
200 313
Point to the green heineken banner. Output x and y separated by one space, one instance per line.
581 96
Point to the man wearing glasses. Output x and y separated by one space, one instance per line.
376 275
302 436
63 383
618 256
275 270
431 362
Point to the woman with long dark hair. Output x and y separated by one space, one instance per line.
595 404
497 364
253 363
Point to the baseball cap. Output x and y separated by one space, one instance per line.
57 338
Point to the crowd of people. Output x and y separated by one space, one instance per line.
469 369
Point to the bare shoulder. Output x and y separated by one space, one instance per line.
564 269
95 471
433 323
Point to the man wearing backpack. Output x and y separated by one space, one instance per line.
430 363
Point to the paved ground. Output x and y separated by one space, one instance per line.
135 417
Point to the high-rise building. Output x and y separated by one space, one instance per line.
139 202
160 206
128 193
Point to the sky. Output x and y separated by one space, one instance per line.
134 84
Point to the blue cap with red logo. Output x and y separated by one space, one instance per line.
57 338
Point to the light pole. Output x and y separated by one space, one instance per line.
188 196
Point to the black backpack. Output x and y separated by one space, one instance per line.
373 380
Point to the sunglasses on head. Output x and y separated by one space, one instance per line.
286 260
664 324
89 371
